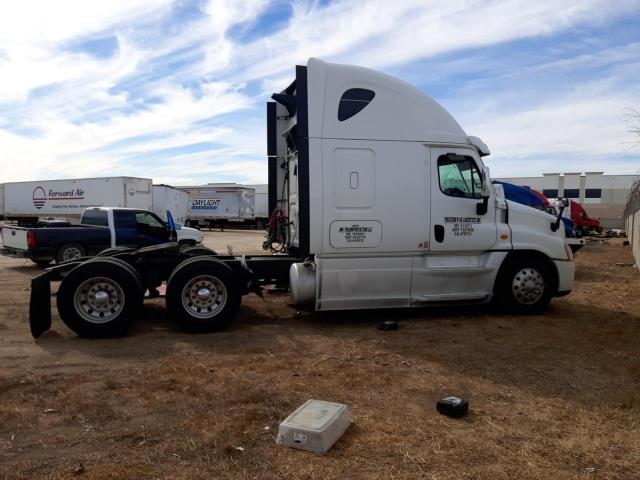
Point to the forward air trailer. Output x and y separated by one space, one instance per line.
379 199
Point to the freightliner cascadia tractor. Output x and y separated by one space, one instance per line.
379 199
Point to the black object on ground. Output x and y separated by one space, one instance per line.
452 406
388 325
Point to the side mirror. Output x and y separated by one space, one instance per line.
561 204
173 237
482 207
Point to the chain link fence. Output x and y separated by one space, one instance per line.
632 218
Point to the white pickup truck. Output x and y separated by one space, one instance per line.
100 228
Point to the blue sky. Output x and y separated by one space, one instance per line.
175 90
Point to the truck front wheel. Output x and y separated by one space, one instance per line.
100 298
525 284
203 295
186 244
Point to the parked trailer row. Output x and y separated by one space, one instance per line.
30 202
27 202
383 201
209 205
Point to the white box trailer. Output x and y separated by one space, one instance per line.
1 201
261 203
217 205
173 199
66 199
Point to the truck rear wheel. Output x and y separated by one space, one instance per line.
525 284
100 298
203 295
108 252
70 251
198 250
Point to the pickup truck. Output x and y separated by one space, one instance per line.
535 199
584 224
100 228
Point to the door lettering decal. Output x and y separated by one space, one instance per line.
354 234
462 226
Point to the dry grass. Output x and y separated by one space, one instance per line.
551 396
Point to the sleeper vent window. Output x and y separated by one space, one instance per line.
353 101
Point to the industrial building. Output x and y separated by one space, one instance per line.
603 196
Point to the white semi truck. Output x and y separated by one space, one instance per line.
382 201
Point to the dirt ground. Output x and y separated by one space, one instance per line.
551 396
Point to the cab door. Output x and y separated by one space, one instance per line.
456 190
151 230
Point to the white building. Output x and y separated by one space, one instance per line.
603 196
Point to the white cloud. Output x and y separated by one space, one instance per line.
581 128
79 115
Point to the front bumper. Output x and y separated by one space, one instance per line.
566 272
575 243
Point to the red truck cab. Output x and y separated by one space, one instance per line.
583 224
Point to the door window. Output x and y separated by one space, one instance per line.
459 176
145 219
151 229
95 217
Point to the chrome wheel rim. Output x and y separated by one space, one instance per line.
204 296
71 253
527 286
99 300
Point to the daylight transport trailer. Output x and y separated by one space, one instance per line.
218 205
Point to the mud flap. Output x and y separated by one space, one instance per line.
40 305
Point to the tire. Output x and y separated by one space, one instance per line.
42 262
525 284
70 251
198 250
82 304
108 252
213 309
186 244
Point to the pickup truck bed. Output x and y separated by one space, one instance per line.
99 229
44 244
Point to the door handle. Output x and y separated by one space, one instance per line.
438 231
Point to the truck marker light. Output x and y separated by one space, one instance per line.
504 236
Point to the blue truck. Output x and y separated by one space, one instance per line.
531 198
100 228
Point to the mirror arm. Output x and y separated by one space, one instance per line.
482 207
555 225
